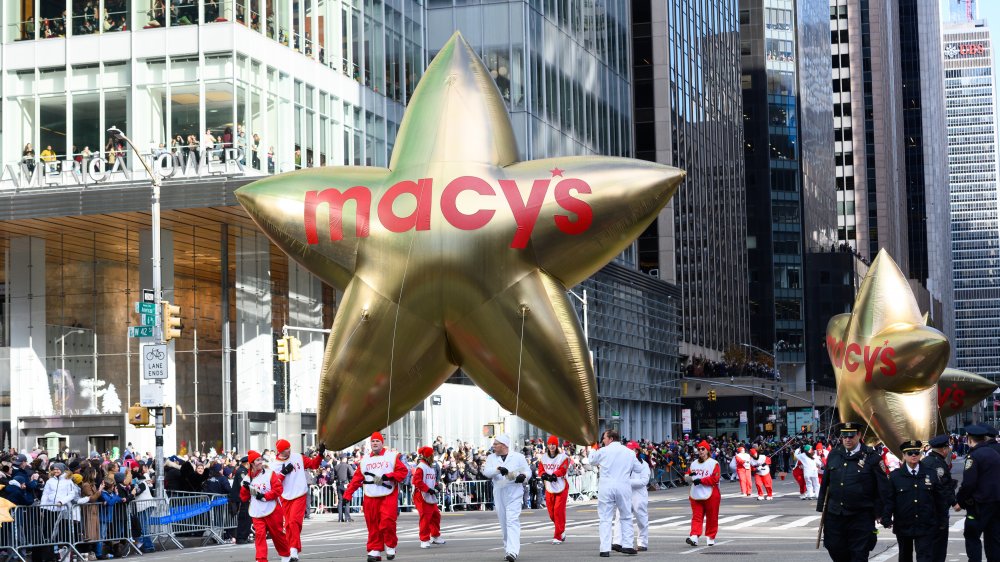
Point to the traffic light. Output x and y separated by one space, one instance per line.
138 415
171 321
294 344
711 396
283 349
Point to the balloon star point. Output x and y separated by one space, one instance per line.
447 249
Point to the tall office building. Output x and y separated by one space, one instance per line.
688 113
789 164
868 127
926 172
970 93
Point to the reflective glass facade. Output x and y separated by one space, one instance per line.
970 91
790 193
689 115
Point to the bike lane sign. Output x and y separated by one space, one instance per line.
155 362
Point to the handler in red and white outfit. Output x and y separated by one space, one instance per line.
380 472
292 466
703 474
552 469
761 465
425 498
743 472
262 488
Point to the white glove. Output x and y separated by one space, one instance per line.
687 478
377 479
511 476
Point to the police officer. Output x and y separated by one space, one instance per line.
979 495
938 461
850 496
914 505
991 432
243 522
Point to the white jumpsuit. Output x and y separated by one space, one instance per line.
614 491
507 495
810 471
640 507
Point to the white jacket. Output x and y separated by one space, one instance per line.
515 463
810 465
61 492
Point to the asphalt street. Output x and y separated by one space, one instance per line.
784 528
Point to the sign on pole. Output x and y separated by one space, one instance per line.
743 416
148 319
145 308
155 364
151 395
140 331
148 295
686 420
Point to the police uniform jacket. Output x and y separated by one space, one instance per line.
981 479
853 483
939 466
915 503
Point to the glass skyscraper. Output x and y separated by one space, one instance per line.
970 92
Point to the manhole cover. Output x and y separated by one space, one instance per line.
718 553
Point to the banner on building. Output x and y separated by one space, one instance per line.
686 420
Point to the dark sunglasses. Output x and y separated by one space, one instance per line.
911 452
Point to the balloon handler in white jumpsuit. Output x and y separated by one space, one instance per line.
640 506
507 470
614 489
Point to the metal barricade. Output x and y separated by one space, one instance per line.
12 533
468 495
155 526
46 527
105 528
194 515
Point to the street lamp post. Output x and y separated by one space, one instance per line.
117 133
583 301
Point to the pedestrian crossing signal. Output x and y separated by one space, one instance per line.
712 396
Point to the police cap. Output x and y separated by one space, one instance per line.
911 445
849 428
939 441
976 430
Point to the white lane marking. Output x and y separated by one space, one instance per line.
756 521
958 525
889 553
693 550
799 522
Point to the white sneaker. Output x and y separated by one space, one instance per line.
803 497
285 559
692 540
438 540
556 541
711 542
760 498
425 544
769 498
390 553
294 554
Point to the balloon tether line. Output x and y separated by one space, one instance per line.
395 324
517 398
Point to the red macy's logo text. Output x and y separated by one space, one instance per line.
852 356
953 396
525 212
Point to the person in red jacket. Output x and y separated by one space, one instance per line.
425 498
292 467
380 473
552 468
262 488
703 474
761 465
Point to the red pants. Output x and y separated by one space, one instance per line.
295 513
556 504
380 517
797 475
430 516
743 474
262 526
706 509
763 482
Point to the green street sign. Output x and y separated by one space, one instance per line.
145 307
140 331
148 319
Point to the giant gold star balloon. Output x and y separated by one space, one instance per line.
457 255
959 391
886 360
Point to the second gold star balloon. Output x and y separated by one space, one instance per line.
457 255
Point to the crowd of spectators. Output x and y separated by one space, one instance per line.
701 367
848 249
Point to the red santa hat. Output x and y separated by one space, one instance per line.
426 452
377 435
282 445
704 445
633 445
553 440
740 450
753 452
252 456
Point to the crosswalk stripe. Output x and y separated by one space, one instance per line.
685 521
801 522
756 521
958 525
665 519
